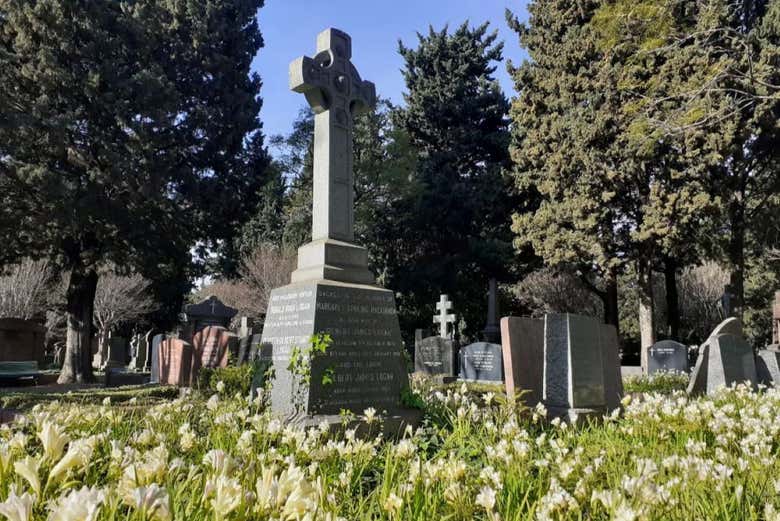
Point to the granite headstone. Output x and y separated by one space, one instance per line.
434 356
668 355
522 342
482 362
724 359
21 341
175 362
155 362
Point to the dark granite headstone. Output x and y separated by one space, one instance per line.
581 366
117 352
667 355
434 356
364 359
522 341
482 362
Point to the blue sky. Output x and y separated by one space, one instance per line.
290 28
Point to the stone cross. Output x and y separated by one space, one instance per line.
336 93
492 330
444 317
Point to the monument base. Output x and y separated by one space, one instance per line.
331 260
363 367
576 416
391 426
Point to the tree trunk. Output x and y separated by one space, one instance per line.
77 366
672 299
737 259
646 308
610 301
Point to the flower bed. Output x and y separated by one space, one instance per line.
666 457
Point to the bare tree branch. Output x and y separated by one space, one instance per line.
24 291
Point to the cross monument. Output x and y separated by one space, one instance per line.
336 93
444 318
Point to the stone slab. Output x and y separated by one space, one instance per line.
481 362
610 357
21 341
667 355
768 367
574 367
434 356
522 346
365 356
154 376
731 361
210 349
175 362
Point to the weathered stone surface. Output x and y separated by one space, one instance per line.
209 312
776 319
21 341
365 355
731 360
155 362
117 352
482 362
613 379
434 356
175 362
724 359
581 366
668 355
768 367
210 348
522 343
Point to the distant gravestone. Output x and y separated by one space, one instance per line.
581 366
117 352
482 362
139 350
255 346
668 355
21 341
768 367
244 345
155 362
175 362
724 359
434 356
209 312
211 348
492 331
776 320
522 343
148 355
444 318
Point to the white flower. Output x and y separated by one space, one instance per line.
28 468
213 402
78 455
393 503
369 415
486 498
220 386
53 439
219 461
78 505
153 500
17 508
227 494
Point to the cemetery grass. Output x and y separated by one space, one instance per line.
477 456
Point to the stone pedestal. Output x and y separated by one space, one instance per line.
329 259
364 361
522 342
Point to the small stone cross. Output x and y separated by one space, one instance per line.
336 93
444 318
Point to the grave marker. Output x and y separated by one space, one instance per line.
333 291
668 355
444 318
522 348
482 362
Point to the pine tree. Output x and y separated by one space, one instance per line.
455 229
122 132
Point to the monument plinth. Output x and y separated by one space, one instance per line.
332 291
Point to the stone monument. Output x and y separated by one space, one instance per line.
444 318
434 355
522 342
776 320
724 359
209 312
492 331
581 366
667 355
332 290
